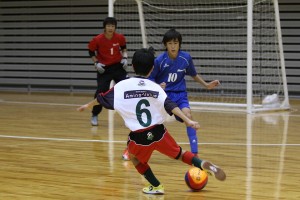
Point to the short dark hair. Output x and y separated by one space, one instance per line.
143 61
109 20
172 34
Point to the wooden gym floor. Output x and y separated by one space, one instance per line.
50 151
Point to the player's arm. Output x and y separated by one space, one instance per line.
93 56
124 51
98 66
123 47
172 108
209 85
89 105
92 47
124 61
192 72
105 99
154 72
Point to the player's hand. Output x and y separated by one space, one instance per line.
213 84
163 85
124 62
193 124
100 67
82 108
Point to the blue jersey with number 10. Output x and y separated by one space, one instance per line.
172 71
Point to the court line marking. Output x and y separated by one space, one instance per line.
109 141
116 141
40 103
194 110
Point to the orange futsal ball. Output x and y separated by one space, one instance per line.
196 179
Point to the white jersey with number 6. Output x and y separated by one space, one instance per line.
140 102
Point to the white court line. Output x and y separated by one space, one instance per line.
290 113
116 141
41 103
107 141
58 139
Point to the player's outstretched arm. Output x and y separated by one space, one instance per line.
187 121
209 85
213 84
89 105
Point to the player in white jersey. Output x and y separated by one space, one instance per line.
144 105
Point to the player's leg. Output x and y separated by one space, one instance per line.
155 187
95 111
181 99
191 133
169 147
119 73
126 155
103 82
140 156
213 170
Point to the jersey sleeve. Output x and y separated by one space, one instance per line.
93 44
122 41
155 71
107 99
169 106
191 68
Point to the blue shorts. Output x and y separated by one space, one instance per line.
181 99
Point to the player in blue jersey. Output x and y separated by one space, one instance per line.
170 69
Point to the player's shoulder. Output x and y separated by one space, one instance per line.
119 35
184 54
162 56
98 37
139 82
131 80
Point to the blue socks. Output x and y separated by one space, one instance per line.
193 139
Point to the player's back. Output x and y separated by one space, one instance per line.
140 102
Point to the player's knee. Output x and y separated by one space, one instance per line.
189 115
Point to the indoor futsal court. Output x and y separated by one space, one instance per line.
48 150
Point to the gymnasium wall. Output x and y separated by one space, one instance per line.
43 44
